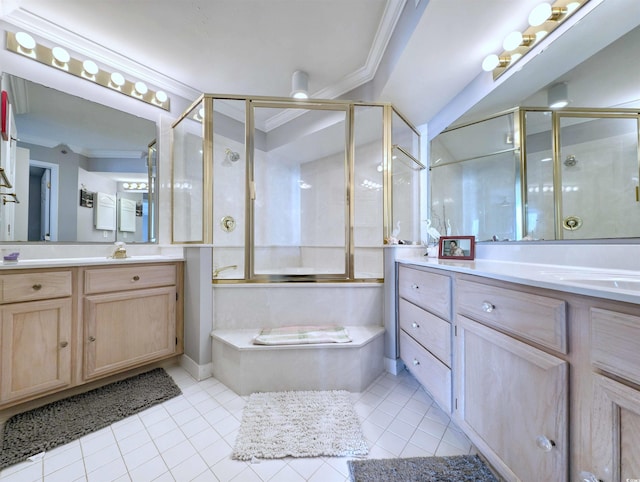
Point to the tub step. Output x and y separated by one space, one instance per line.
247 368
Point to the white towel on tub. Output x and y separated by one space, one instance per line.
302 335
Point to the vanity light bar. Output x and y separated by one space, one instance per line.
543 20
23 44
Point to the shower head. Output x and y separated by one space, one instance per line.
230 156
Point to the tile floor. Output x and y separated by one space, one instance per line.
190 438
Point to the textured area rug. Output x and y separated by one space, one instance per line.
299 424
60 422
458 468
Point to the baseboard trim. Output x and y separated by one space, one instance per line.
199 372
393 366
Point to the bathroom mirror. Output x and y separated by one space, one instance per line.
494 184
70 151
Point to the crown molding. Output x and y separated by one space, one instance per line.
56 35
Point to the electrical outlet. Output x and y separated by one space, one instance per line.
105 234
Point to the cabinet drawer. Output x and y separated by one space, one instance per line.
427 290
35 286
428 370
614 343
427 329
130 277
539 319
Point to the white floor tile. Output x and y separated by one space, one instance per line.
191 438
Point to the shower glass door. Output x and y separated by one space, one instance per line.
298 184
597 177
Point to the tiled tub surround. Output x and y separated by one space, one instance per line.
240 311
565 331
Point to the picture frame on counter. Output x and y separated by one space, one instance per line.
457 247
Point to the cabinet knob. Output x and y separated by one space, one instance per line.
92 338
415 362
136 278
64 344
544 443
415 325
415 287
487 306
585 476
37 287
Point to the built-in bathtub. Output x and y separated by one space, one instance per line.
241 310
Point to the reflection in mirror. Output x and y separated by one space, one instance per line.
69 149
579 176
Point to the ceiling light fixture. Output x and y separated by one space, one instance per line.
300 85
558 95
542 20
58 57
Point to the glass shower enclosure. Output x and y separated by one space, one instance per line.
288 190
537 174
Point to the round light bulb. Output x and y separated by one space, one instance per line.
540 35
90 67
201 112
133 185
141 88
125 185
540 14
490 62
117 79
142 185
300 95
515 57
60 54
512 41
161 96
25 41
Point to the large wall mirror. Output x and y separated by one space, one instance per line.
533 174
82 172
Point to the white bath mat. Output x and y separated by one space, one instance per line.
299 424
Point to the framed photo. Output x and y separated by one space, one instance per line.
457 247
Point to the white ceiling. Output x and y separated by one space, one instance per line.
253 46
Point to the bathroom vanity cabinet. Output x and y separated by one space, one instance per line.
129 317
512 388
36 333
546 382
65 327
424 319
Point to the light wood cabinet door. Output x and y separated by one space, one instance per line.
129 328
615 431
513 400
36 348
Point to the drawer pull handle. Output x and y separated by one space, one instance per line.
92 338
415 325
416 362
487 307
37 287
136 278
544 443
415 287
64 344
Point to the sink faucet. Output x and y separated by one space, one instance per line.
217 271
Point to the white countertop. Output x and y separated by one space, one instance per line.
86 261
614 284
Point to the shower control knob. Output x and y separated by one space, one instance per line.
415 362
415 287
415 325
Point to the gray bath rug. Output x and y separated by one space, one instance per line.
458 468
60 422
299 424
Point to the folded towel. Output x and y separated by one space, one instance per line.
299 335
